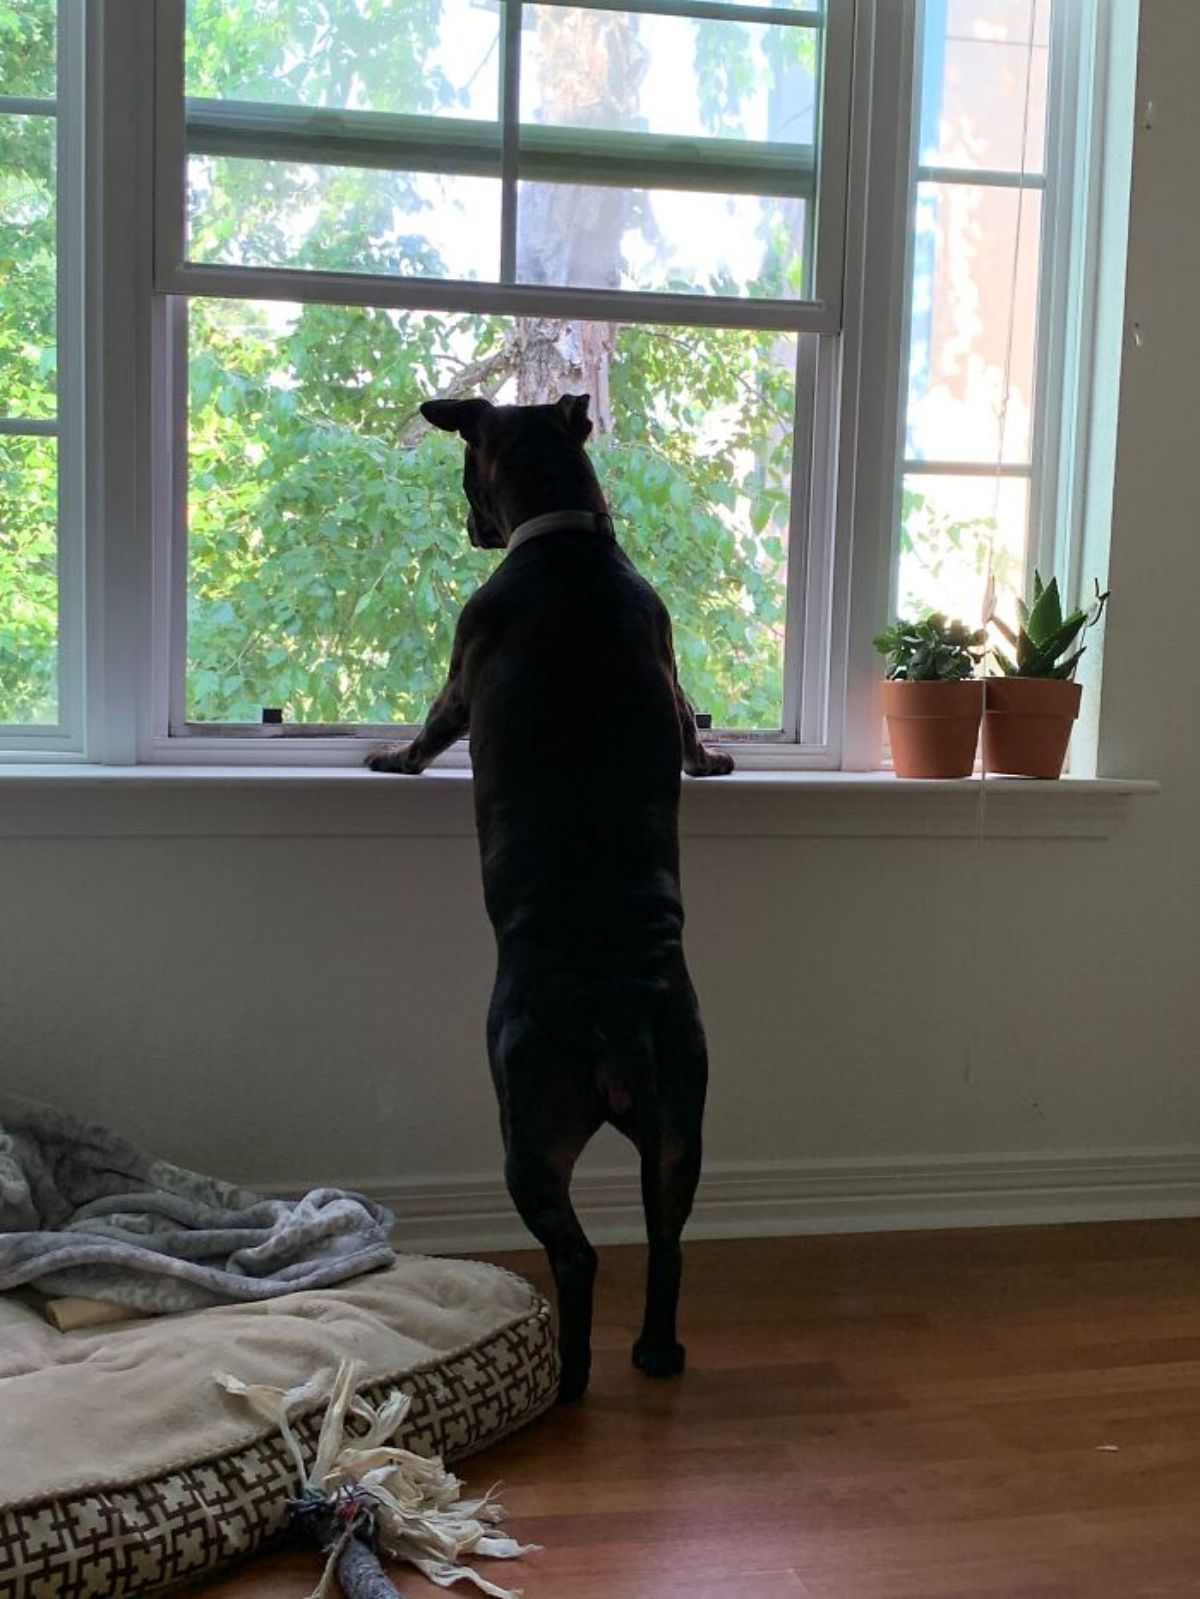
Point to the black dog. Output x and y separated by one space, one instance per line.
563 671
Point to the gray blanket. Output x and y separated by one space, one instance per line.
82 1211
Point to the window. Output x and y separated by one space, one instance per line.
40 667
823 374
627 201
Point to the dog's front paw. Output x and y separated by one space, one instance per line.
393 758
712 763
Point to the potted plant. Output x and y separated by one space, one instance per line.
1031 708
932 702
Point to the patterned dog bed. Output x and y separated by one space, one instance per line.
124 1468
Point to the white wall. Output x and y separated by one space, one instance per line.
290 1010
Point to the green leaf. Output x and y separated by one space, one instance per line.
1066 668
1039 662
1045 618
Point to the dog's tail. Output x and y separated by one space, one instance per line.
625 1063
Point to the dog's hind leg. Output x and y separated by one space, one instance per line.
539 1181
669 1141
670 1172
549 1109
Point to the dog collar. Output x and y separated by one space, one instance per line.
562 522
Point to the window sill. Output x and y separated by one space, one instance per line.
80 801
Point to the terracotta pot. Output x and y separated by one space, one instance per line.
933 727
1027 725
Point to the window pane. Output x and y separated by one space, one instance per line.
328 558
345 219
27 266
966 245
980 56
949 528
28 580
27 48
436 57
669 75
667 240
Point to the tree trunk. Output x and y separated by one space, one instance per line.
590 74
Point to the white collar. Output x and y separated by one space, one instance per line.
562 522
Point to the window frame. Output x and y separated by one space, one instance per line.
811 668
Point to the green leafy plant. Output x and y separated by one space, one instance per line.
1045 635
931 650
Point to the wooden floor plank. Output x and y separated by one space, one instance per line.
999 1414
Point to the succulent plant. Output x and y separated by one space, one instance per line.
1045 635
931 650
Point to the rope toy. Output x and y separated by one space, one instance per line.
363 1494
343 1525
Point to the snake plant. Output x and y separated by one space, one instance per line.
1045 635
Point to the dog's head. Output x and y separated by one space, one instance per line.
503 442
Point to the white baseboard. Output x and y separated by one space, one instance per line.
773 1199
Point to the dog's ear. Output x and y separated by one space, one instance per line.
574 408
457 416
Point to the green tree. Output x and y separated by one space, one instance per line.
28 475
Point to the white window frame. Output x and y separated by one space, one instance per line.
852 363
1087 37
805 735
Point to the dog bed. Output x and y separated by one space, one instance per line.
124 1467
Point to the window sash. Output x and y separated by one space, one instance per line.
514 152
251 129
809 638
814 639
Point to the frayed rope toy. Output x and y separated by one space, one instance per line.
362 1494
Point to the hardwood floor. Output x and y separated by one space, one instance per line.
1001 1414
